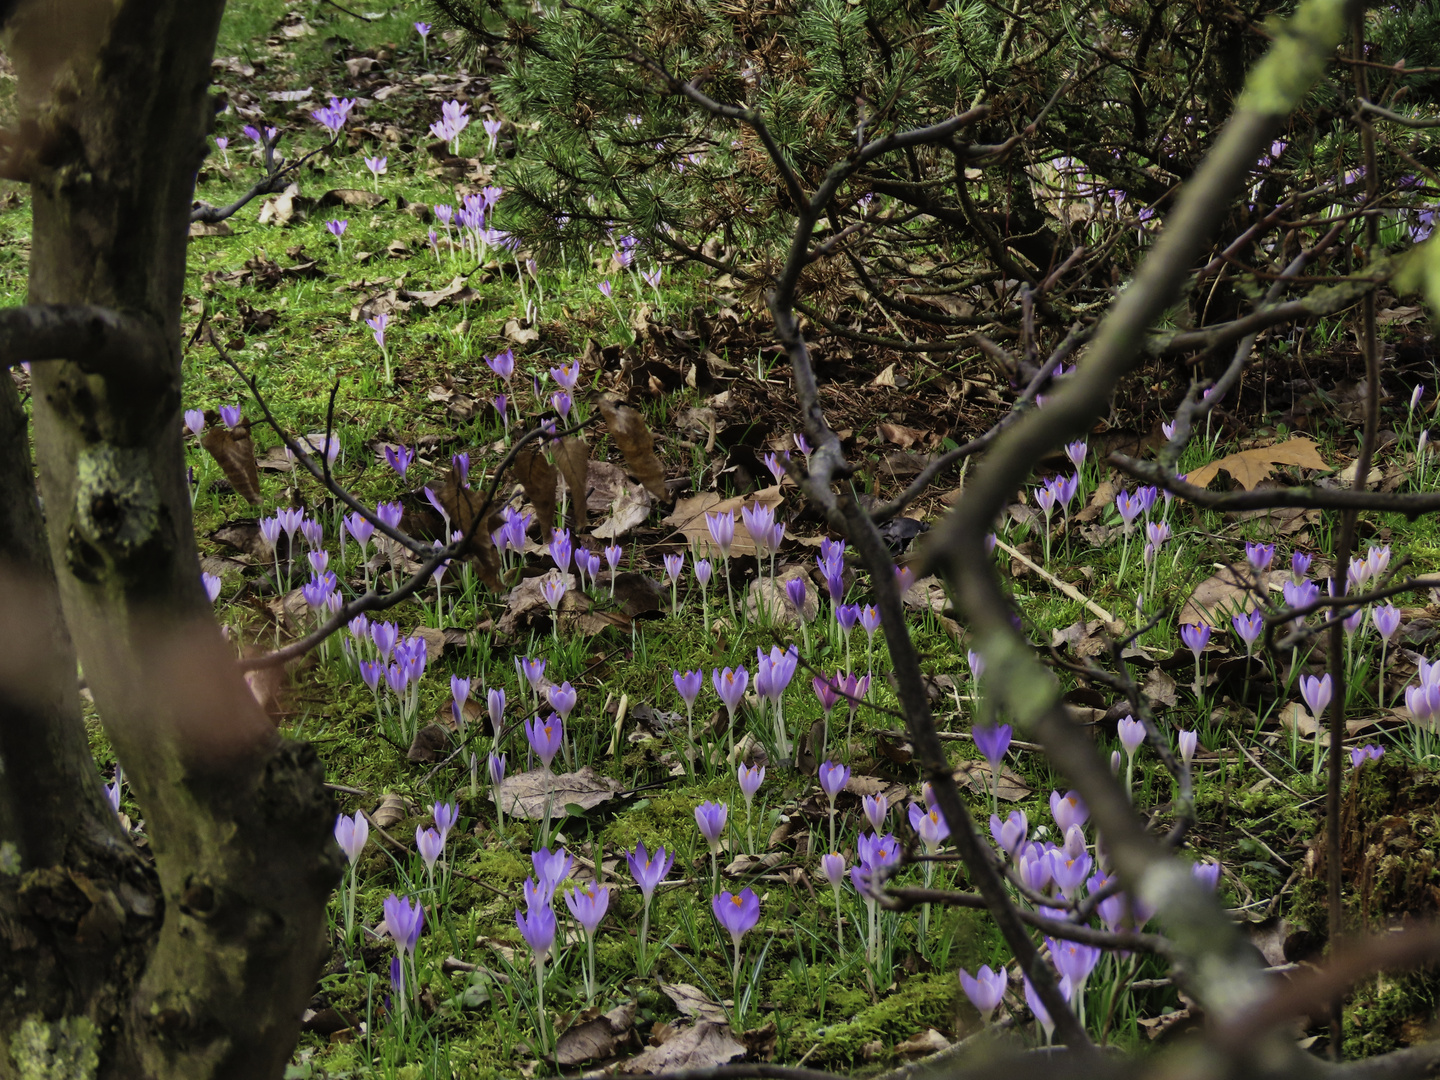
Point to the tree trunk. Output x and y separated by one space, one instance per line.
206 977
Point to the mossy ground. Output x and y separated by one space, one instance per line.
819 998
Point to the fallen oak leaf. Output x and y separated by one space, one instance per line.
540 480
1249 467
627 428
572 457
463 505
235 452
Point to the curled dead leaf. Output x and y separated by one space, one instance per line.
540 480
232 448
572 457
391 811
627 428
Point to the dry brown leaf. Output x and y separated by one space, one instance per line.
232 448
1223 594
365 200
391 811
572 457
521 335
901 436
924 1044
689 517
596 1038
1160 687
611 492
1249 467
527 795
463 504
279 209
627 428
702 1046
458 291
692 1002
977 776
540 480
429 744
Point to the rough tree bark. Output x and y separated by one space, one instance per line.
200 967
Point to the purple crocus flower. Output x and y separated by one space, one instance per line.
351 834
738 914
1259 556
847 615
875 808
673 565
1299 564
825 691
722 531
710 817
553 589
1130 507
390 513
648 870
445 814
430 844
502 364
537 927
795 591
1068 809
403 922
497 769
1316 692
1075 451
986 988
688 686
562 698
1387 620
750 778
1195 636
195 421
1207 873
230 416
1010 833
833 778
212 586
545 739
551 868
1249 625
730 684
993 743
495 706
1188 740
1360 755
1132 734
588 904
533 671
605 289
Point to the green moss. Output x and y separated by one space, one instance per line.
923 1001
1390 1014
68 1049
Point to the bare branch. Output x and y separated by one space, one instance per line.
1224 971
